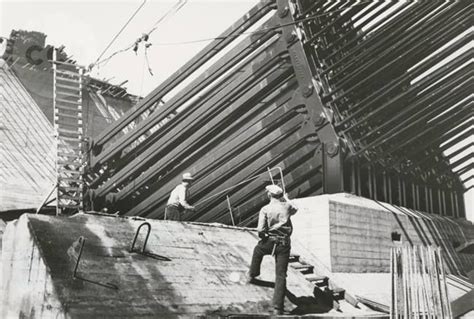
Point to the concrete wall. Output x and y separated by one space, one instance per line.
360 233
26 287
311 224
204 273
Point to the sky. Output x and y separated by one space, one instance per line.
86 27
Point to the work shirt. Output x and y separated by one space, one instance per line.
179 196
274 217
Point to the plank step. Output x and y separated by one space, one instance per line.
69 206
75 198
294 258
70 180
71 139
75 116
338 293
319 281
301 267
70 148
69 188
67 87
78 83
62 170
65 94
75 125
64 162
68 101
77 108
69 155
64 131
68 73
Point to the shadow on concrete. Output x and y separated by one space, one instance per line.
320 302
428 229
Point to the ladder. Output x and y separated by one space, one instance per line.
69 133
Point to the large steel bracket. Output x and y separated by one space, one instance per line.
319 118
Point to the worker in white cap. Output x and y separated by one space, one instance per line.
178 201
274 228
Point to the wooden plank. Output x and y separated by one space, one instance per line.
77 117
68 101
78 83
69 108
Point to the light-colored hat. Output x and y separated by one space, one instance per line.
188 177
274 190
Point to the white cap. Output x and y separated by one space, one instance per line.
188 177
274 190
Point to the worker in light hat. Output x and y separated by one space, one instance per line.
274 229
178 201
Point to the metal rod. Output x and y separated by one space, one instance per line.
147 224
359 189
390 198
369 177
47 198
81 241
399 183
374 176
353 181
230 210
271 176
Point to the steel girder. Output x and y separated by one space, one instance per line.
341 96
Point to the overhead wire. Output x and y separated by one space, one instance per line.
178 5
245 32
120 31
173 10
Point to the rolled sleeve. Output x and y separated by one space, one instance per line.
262 221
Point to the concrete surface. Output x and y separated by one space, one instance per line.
353 234
195 270
348 239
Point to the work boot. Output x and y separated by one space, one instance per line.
249 278
278 311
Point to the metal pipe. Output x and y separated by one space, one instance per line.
400 191
230 210
353 177
374 176
427 200
369 178
359 189
390 193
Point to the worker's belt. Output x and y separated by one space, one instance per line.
280 240
178 207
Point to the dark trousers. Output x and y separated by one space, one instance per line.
282 255
172 213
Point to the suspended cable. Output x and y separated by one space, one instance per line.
173 10
241 33
118 33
